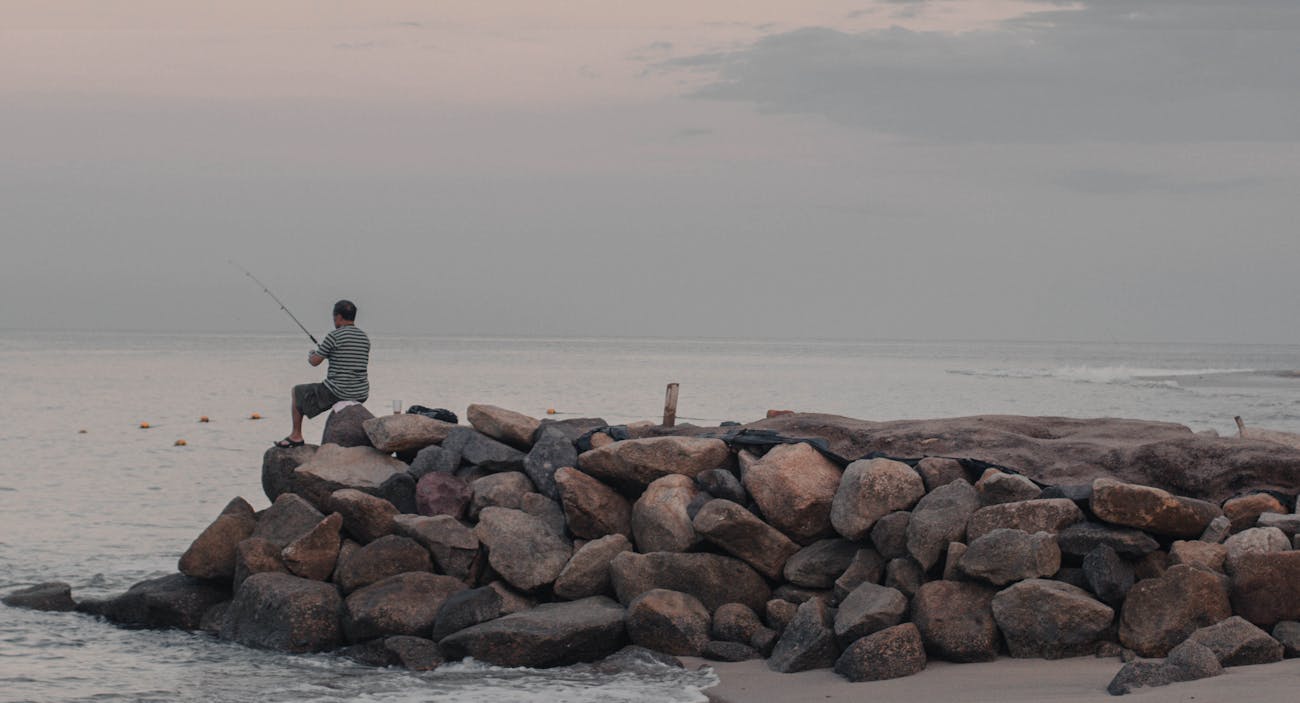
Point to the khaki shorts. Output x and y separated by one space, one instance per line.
313 399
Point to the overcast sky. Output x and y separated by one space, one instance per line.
879 169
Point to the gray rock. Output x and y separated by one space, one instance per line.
387 556
1264 587
870 490
1048 619
660 517
634 463
735 622
1108 575
1002 556
1080 493
1287 633
1236 642
888 654
940 471
546 510
552 451
554 634
571 428
889 535
508 426
956 621
819 564
1217 531
593 509
587 573
255 556
869 608
434 459
794 486
1256 540
905 575
405 604
951 570
278 465
288 518
867 567
713 578
55 596
798 594
502 490
413 653
399 489
1288 524
454 547
466 609
721 483
667 621
521 548
778 613
1051 515
1193 662
334 468
212 554
346 427
939 518
808 641
719 651
996 487
405 432
284 613
365 517
1081 538
1161 612
479 450
175 601
741 534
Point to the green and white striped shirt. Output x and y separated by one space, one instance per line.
348 350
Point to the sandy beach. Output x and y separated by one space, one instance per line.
1006 680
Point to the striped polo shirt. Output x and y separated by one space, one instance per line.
348 350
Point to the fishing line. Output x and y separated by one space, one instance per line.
273 297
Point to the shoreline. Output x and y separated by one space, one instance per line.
1006 680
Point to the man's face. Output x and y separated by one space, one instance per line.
338 321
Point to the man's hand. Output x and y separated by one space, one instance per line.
314 359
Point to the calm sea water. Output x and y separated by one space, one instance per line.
118 504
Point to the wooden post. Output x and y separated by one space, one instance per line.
1241 426
670 406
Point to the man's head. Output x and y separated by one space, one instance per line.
344 312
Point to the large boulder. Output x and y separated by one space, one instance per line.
1197 553
891 653
365 517
554 634
666 621
278 465
405 432
405 604
1040 515
1081 538
289 518
515 429
741 534
1108 575
387 556
571 428
1048 619
633 463
871 489
433 459
1243 511
256 555
454 547
868 608
889 535
439 493
527 553
503 490
587 573
712 578
1266 587
346 427
819 564
996 487
481 451
808 640
735 622
592 508
212 554
175 601
315 554
867 566
552 451
1236 642
722 483
1006 555
54 596
1161 612
285 613
1188 661
938 519
404 651
1151 509
940 471
794 487
334 468
956 620
467 609
1255 540
1287 633
660 522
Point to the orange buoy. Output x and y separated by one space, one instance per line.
550 411
203 418
179 443
144 425
255 416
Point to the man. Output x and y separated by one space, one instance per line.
348 351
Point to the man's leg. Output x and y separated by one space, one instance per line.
296 435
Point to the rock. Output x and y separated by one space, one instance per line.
288 519
808 641
764 640
1243 511
1161 612
939 518
547 510
587 573
454 547
940 471
442 494
256 555
333 468
1236 642
996 487
466 609
571 428
1081 538
521 548
1108 575
1080 493
729 652
433 459
387 556
797 594
405 604
1266 587
721 483
867 609
867 567
1152 565
1048 619
503 490
741 534
956 622
1005 555
951 572
315 554
175 601
1217 531
712 578
212 554
479 450
735 622
508 426
284 613
1288 524
593 509
413 653
54 596
891 653
1050 515
365 517
552 451
889 534
870 490
634 463
405 432
668 621
905 575
210 623
819 564
1196 553
399 490
346 427
779 613
1287 633
1151 509
794 486
660 519
346 550
512 601
278 465
554 634
1187 662
1256 540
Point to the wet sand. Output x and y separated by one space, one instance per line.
1006 680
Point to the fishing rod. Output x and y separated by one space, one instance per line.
273 297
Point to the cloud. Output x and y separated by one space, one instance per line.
1104 70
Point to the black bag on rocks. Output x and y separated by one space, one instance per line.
436 413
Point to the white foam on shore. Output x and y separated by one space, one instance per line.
1101 374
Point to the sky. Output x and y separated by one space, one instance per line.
1100 170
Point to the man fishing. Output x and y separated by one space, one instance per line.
348 350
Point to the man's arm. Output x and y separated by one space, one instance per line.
314 359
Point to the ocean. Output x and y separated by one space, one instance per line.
88 497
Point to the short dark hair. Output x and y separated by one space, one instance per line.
346 310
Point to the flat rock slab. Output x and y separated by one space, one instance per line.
405 432
713 578
513 428
1151 509
405 604
175 601
285 613
555 634
1236 642
794 487
55 596
334 468
632 464
1049 619
741 534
